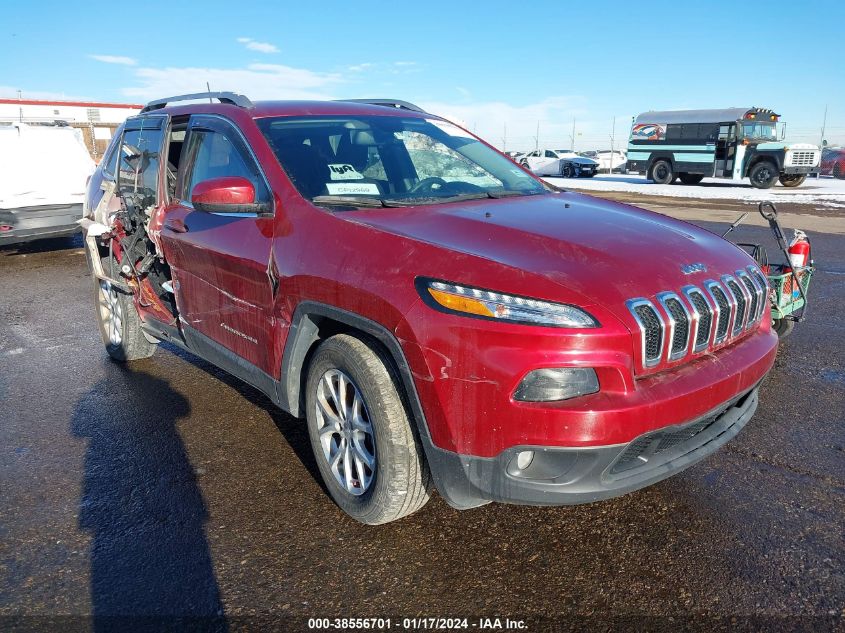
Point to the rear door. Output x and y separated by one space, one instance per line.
221 261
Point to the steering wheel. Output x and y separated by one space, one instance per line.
426 185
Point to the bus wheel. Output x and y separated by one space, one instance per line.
661 172
691 179
763 175
792 181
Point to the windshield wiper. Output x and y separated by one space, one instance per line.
350 201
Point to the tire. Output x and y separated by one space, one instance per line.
567 170
691 179
837 171
524 163
119 323
783 327
792 181
763 175
388 477
661 172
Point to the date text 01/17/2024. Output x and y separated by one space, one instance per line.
417 623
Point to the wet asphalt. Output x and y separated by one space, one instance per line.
166 489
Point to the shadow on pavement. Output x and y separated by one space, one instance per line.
66 242
141 504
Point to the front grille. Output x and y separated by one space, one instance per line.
724 312
652 331
803 159
689 322
736 291
705 318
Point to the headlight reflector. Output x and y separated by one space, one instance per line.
504 307
560 383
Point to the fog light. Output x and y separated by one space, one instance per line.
524 459
562 383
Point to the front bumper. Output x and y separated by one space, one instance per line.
799 170
567 476
24 224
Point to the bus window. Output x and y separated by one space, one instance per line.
673 132
759 130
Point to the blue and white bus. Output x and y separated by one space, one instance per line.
732 143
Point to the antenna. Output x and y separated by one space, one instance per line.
208 89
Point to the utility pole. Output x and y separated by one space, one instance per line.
505 138
537 137
824 125
572 137
612 139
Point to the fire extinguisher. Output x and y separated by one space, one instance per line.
799 257
799 250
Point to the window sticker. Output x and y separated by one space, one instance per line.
519 173
344 171
346 189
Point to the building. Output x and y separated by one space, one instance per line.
96 120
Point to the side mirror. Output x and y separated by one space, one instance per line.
229 194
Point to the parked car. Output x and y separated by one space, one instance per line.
44 169
559 162
833 162
616 160
514 156
438 318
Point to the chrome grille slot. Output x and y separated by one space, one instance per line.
804 159
651 330
753 293
763 283
741 304
679 324
723 310
704 317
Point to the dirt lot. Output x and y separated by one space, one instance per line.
168 489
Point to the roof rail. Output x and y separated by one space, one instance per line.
231 98
390 103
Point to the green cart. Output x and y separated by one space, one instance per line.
788 285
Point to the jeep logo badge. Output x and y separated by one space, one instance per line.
693 268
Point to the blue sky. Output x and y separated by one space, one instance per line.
489 64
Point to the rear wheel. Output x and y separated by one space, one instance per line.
763 175
691 179
120 325
361 434
783 327
792 180
662 173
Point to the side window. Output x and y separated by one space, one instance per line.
673 132
534 154
217 154
110 159
139 159
550 154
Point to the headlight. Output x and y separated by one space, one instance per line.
488 304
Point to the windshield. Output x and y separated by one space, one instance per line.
759 130
389 161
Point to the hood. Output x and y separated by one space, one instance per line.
581 160
605 252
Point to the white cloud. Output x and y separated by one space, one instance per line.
261 47
488 120
115 59
257 81
357 68
10 92
382 68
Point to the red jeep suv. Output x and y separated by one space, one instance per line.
438 316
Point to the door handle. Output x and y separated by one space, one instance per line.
177 226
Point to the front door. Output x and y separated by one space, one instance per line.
220 261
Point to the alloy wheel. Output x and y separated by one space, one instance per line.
345 432
111 313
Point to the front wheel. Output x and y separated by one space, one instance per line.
120 325
361 434
792 180
691 179
783 327
567 170
763 175
661 172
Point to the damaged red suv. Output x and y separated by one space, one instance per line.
438 316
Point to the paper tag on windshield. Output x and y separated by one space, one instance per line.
344 171
352 189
